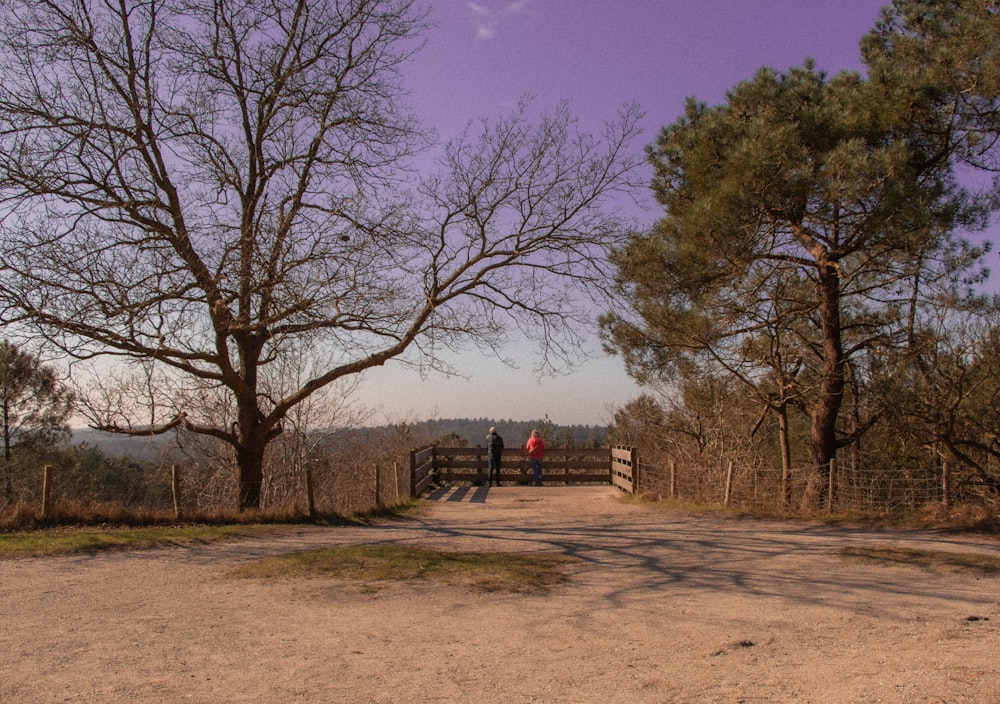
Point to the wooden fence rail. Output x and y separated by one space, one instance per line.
562 465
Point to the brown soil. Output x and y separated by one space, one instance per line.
661 607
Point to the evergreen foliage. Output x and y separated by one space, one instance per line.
35 405
810 235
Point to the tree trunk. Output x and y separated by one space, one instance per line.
250 478
827 408
253 436
6 429
8 480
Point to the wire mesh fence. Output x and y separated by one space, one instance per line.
843 488
359 478
198 489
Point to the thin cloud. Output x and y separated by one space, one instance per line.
487 20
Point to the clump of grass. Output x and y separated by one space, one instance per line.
22 517
963 517
978 562
76 514
67 541
398 511
487 571
97 532
135 532
25 517
958 519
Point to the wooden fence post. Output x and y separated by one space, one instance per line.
633 458
46 489
307 475
829 493
729 484
378 487
946 484
673 479
395 482
175 489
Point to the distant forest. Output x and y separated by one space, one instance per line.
460 432
472 432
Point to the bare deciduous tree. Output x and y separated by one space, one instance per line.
204 187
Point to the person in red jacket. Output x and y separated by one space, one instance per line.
536 449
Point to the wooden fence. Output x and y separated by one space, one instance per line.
625 469
568 466
63 493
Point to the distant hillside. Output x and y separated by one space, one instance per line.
515 433
470 432
140 449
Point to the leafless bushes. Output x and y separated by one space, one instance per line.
710 450
350 471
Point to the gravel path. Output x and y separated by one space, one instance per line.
661 607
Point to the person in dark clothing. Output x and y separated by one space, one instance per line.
494 449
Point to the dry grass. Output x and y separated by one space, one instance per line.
66 541
958 519
97 532
24 517
487 571
978 562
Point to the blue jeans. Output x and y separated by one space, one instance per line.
493 470
536 470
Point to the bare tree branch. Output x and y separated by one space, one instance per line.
211 187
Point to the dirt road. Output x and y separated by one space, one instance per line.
660 607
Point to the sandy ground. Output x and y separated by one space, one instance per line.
661 607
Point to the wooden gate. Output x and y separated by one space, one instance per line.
625 469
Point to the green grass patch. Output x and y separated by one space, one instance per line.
83 537
68 541
979 562
400 511
487 571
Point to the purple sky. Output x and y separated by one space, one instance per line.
483 56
